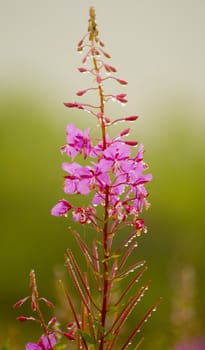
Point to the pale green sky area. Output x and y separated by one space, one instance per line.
157 45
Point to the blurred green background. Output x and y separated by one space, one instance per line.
159 48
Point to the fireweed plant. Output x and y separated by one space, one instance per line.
115 181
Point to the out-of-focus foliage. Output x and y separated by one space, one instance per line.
31 178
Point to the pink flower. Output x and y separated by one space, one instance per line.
61 208
115 156
77 142
84 179
43 344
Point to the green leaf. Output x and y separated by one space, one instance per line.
114 256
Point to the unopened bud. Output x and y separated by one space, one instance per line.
109 68
70 324
122 82
82 70
21 302
24 318
121 98
131 118
106 54
33 305
84 59
48 302
131 143
69 335
125 132
113 69
98 79
81 92
92 12
73 105
80 43
52 321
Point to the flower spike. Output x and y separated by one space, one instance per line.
104 185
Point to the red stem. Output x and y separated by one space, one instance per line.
105 226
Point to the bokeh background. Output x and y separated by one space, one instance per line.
159 47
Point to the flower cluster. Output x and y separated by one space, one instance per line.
111 170
113 175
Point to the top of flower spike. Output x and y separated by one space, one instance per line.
92 25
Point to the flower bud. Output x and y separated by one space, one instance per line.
132 118
80 43
70 324
81 92
69 335
125 132
106 54
82 70
48 302
131 143
73 105
98 79
121 98
122 82
21 302
52 321
24 318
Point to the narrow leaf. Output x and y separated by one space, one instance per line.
133 281
127 254
132 268
140 324
75 264
124 314
76 283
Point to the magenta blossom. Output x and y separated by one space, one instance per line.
77 142
43 344
61 208
84 179
114 171
115 156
